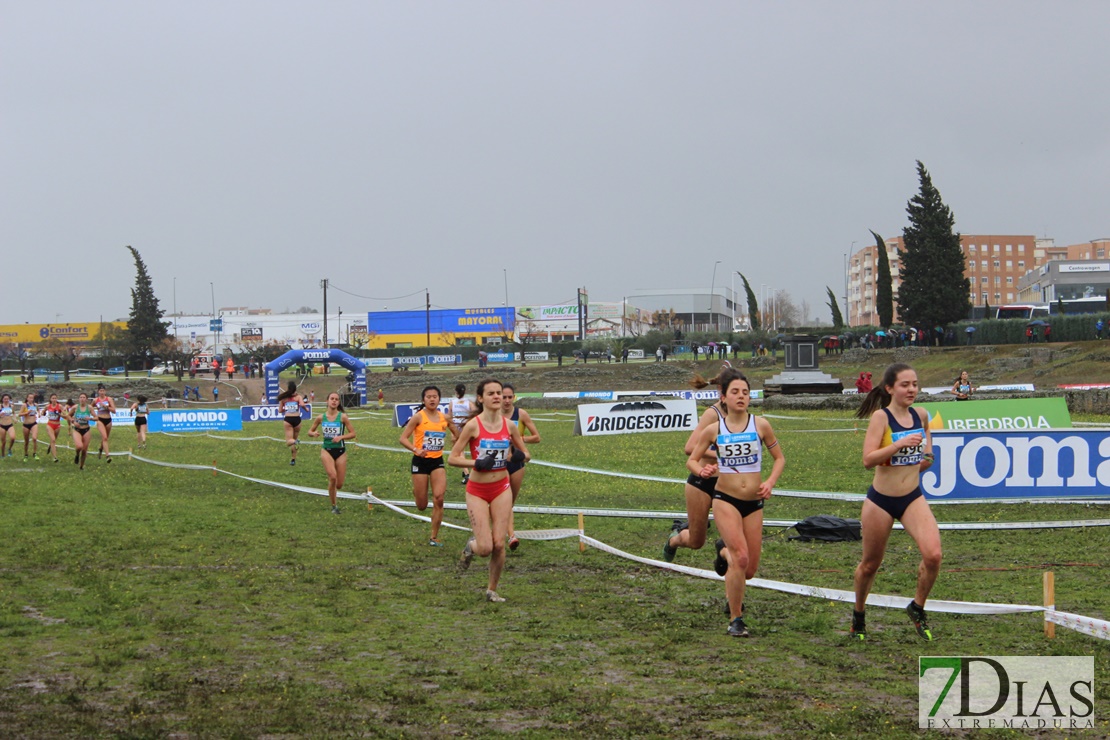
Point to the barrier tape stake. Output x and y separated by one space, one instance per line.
582 529
214 471
1049 602
369 506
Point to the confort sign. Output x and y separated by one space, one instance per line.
34 333
1049 464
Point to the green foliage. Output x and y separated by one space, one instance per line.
934 289
884 286
753 305
145 327
1065 328
834 307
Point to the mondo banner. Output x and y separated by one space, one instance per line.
1056 463
635 416
209 420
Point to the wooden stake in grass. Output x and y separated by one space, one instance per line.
369 506
1049 602
214 471
582 529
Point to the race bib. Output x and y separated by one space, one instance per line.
736 450
433 441
908 455
498 449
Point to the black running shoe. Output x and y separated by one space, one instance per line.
720 565
859 626
917 616
737 628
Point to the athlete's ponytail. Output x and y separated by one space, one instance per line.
879 396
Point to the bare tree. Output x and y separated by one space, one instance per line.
785 311
64 355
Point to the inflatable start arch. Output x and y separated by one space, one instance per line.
295 356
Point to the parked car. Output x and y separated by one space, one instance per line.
162 369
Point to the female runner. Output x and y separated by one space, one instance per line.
898 447
491 440
55 412
962 389
139 411
741 491
7 426
337 430
81 416
105 407
460 413
290 402
699 491
518 417
425 435
30 418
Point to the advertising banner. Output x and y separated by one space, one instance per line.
206 420
444 359
501 356
378 361
635 416
1014 464
251 334
398 361
635 354
269 413
439 321
31 333
1009 413
549 313
607 395
536 356
402 412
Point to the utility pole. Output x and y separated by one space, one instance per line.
324 285
427 318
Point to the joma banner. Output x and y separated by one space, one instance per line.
1053 463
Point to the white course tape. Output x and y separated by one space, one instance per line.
823 495
1099 628
1087 625
831 594
392 507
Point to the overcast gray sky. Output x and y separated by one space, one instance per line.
393 146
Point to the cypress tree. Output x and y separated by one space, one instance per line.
753 305
837 317
145 329
884 285
934 289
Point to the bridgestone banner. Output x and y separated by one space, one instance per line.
635 416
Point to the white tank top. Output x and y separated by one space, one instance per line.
739 452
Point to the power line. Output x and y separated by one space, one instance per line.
333 286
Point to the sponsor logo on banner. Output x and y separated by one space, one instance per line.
635 354
311 327
635 416
269 413
1016 413
1051 693
501 356
251 334
402 412
201 420
1089 267
1059 463
408 360
444 359
536 356
378 361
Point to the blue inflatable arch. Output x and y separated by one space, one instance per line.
296 356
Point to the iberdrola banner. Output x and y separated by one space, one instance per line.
999 415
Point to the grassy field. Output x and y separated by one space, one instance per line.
142 601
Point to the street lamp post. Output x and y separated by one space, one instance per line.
712 287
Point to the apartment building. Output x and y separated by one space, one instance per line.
992 263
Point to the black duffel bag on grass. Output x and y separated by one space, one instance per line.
825 528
